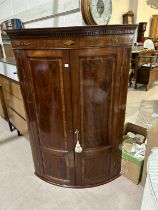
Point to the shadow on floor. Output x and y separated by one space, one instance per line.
9 139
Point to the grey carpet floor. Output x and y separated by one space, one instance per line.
20 189
135 98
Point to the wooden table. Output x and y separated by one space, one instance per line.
134 62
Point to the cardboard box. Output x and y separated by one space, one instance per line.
130 127
131 167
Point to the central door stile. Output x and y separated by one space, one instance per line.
76 117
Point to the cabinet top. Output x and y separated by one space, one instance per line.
75 31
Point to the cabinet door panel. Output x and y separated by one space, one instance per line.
57 166
95 88
50 97
47 83
95 81
95 166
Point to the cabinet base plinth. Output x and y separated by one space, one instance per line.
77 186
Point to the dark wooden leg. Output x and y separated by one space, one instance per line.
12 128
18 132
131 75
136 72
135 81
147 87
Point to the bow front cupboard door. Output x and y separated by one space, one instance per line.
69 91
48 101
95 77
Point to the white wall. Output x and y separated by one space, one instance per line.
119 7
54 13
133 6
145 13
75 18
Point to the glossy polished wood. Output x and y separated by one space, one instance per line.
74 79
94 87
50 94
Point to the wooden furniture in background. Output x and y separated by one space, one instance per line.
3 107
147 69
8 50
141 31
74 84
13 105
154 28
128 18
1 52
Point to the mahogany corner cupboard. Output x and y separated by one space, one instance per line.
74 85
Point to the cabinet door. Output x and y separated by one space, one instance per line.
96 77
48 96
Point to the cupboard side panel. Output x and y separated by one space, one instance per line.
30 117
